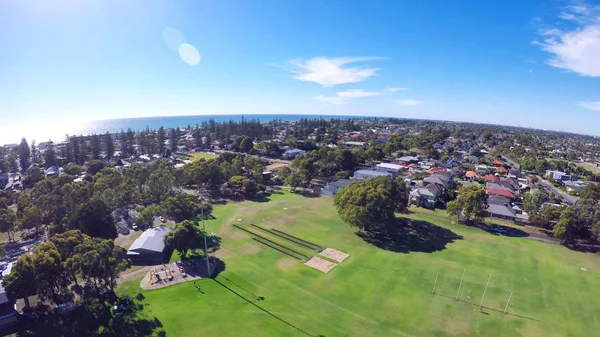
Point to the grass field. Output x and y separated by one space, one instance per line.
201 155
590 167
380 292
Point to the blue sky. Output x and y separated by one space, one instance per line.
527 63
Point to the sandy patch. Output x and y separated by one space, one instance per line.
276 166
320 264
125 241
249 248
333 254
224 254
285 263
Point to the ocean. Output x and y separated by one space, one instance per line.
10 134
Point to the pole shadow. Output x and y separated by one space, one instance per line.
487 308
261 308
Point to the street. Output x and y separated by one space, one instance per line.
566 197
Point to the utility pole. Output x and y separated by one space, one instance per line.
202 193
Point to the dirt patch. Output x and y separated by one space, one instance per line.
285 263
224 254
133 273
249 248
125 241
320 264
276 166
333 254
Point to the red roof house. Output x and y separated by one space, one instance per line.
471 174
499 191
434 170
501 169
498 162
490 177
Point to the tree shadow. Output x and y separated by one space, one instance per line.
264 197
583 246
94 317
408 235
500 230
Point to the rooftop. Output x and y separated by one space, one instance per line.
151 239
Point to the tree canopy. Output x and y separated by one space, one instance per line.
185 237
471 203
371 203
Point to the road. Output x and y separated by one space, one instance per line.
271 160
566 197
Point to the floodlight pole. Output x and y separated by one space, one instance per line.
507 303
435 282
460 285
202 193
484 291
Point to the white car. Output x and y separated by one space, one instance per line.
161 219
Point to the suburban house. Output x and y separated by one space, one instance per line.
291 154
500 192
451 164
490 178
52 172
332 187
575 186
501 211
472 175
558 175
149 247
442 179
501 170
366 174
405 160
425 196
352 143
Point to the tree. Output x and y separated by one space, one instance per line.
12 163
147 214
293 180
370 204
95 146
99 262
532 201
94 219
24 153
161 137
246 145
95 166
8 219
246 185
185 237
471 202
181 207
50 156
591 191
159 185
33 176
109 145
21 282
566 226
31 218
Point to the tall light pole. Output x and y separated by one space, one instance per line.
202 194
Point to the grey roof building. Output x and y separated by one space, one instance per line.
149 247
332 187
366 174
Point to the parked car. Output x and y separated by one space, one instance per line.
161 219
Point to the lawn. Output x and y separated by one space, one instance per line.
202 155
376 291
587 166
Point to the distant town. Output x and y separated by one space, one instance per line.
140 191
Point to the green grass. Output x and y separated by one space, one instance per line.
589 167
377 292
201 155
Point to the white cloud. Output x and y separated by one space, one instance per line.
390 90
409 102
577 48
342 97
590 105
329 72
